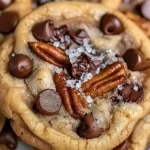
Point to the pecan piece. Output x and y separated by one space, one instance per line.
73 101
50 53
106 80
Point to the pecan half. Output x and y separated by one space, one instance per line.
106 80
141 22
73 101
50 53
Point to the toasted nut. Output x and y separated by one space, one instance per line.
73 101
107 80
50 53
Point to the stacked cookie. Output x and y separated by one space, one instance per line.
12 11
75 75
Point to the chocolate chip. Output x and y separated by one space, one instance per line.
48 102
20 65
88 128
44 31
8 137
135 60
129 94
122 146
81 65
145 9
111 25
61 31
79 36
5 3
8 22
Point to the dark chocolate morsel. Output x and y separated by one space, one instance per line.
145 9
5 3
44 31
61 31
20 65
48 102
8 21
130 95
79 36
135 60
122 146
81 65
88 128
111 25
8 137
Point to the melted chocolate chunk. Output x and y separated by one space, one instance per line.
48 102
111 25
20 65
85 63
122 146
44 31
88 128
5 3
8 22
135 60
130 95
145 9
81 65
61 31
8 137
79 36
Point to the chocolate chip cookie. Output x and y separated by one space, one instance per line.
77 76
11 11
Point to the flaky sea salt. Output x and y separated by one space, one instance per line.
114 59
80 49
86 41
67 52
62 46
58 70
135 87
120 87
62 39
67 38
102 56
102 66
71 83
88 48
89 76
98 70
78 85
93 51
89 99
56 44
120 97
111 53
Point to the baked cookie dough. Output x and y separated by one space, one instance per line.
11 12
70 77
140 135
